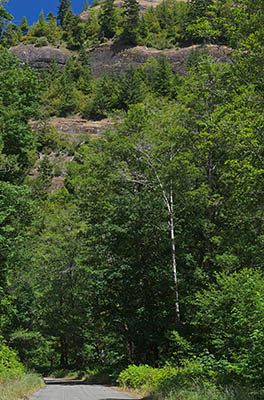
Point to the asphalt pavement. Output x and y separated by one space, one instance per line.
64 389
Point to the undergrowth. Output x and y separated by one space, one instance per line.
22 387
191 382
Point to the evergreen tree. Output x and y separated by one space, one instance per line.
92 28
164 78
24 27
85 5
40 28
11 35
62 10
131 21
107 96
18 103
132 89
73 30
51 17
85 78
108 19
4 15
68 24
198 8
53 31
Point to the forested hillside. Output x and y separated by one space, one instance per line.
143 243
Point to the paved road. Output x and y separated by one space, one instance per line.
62 389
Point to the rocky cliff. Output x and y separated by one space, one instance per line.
75 127
109 57
40 57
143 4
106 58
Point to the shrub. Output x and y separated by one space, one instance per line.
136 377
10 366
229 318
19 388
163 379
41 42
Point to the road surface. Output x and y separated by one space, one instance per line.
62 389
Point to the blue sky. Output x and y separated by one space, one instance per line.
32 8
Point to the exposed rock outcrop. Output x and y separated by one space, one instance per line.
109 57
74 130
106 58
74 127
143 4
40 57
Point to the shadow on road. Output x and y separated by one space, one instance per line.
57 381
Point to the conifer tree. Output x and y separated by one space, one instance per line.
73 30
4 15
85 5
11 35
108 20
40 29
131 22
51 17
131 86
24 27
62 10
164 78
54 32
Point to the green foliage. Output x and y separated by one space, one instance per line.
163 78
15 213
233 323
43 33
131 22
74 33
48 139
186 156
131 88
41 41
39 29
18 98
21 387
161 380
11 36
108 19
64 6
4 15
85 5
92 29
32 348
24 27
194 381
226 21
10 367
106 97
163 26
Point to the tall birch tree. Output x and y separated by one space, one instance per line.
154 145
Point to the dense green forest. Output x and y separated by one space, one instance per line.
152 252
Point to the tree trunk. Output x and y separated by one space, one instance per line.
174 264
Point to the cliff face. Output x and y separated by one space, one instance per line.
108 58
40 57
73 128
143 4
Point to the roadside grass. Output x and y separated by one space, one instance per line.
208 393
191 382
20 388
